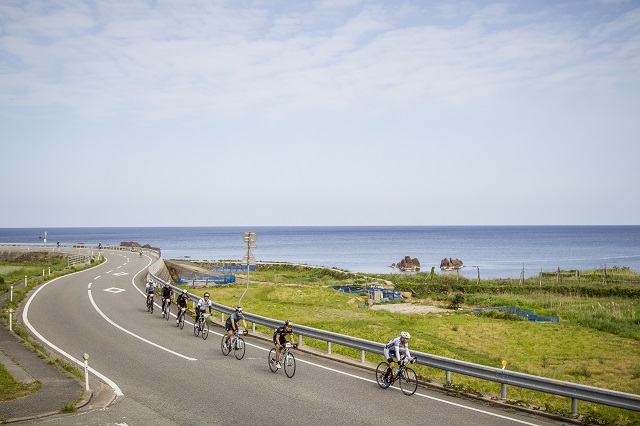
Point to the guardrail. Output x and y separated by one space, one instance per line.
505 377
78 248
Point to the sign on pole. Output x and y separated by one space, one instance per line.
249 239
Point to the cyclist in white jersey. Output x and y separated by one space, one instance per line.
392 349
203 304
150 289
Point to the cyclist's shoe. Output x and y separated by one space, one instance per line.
177 321
278 365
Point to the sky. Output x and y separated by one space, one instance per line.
328 112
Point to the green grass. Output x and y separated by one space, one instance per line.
11 389
596 342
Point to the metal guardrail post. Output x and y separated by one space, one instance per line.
329 347
574 406
447 377
503 391
362 356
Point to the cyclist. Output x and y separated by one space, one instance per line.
203 304
232 324
280 338
167 294
150 290
392 349
181 301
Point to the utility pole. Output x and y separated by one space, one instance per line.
249 239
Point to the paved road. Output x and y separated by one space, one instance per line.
168 376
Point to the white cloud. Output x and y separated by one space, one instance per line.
381 92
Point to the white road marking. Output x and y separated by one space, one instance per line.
114 290
133 334
25 319
108 272
97 277
120 274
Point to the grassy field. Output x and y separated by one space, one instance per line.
597 342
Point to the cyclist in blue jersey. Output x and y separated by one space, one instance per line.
232 324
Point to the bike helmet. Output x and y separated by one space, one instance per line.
206 294
184 291
238 309
288 322
166 284
405 334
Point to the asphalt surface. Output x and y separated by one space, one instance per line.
144 370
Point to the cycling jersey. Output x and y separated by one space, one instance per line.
150 288
280 335
182 300
167 292
204 304
236 318
392 349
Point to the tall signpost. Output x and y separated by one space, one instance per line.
249 239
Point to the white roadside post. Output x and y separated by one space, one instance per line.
503 386
11 294
10 319
86 370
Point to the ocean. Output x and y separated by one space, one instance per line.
497 251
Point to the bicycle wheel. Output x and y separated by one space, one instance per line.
289 365
382 368
166 310
272 360
196 328
223 346
181 323
239 349
205 330
408 382
151 307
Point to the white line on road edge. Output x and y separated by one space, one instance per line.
25 318
133 334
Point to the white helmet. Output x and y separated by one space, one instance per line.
405 334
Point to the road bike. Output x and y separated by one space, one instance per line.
201 326
406 377
165 308
150 303
236 344
286 358
181 314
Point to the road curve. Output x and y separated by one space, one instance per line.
186 380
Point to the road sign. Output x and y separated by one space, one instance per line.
249 237
248 259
